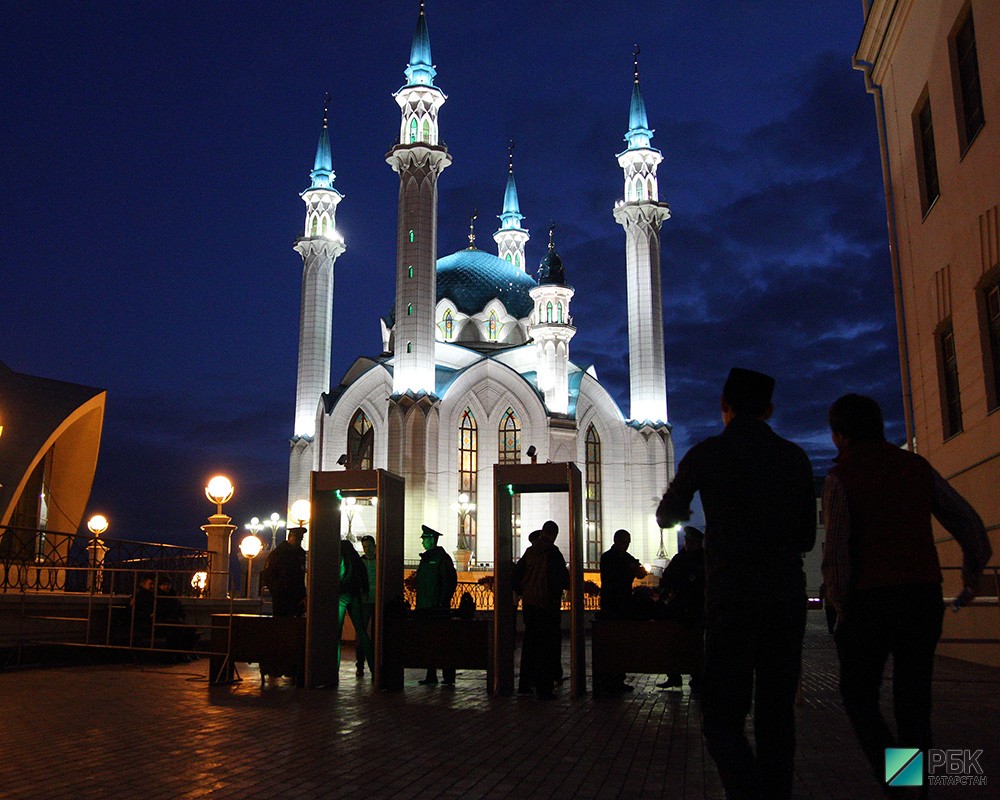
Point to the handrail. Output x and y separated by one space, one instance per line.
992 598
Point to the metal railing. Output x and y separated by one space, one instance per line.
482 594
33 560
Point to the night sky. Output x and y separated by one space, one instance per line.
153 155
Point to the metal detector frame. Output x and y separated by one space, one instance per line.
508 480
323 601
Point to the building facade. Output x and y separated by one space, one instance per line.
475 365
932 68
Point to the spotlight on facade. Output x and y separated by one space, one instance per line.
532 453
342 461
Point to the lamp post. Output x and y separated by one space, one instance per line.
250 547
273 523
97 525
300 513
349 509
218 530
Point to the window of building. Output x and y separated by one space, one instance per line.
409 272
427 131
468 452
360 442
559 318
517 260
991 343
411 236
413 130
951 400
649 187
923 126
492 326
548 312
314 224
449 324
593 495
325 221
409 347
509 259
510 453
965 75
409 309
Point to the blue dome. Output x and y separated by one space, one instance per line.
471 278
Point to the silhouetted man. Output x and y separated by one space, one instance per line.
540 577
618 569
285 576
682 589
760 516
882 576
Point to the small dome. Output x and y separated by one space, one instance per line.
551 269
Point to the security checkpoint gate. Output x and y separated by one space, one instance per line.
329 489
509 480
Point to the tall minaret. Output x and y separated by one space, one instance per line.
511 237
319 246
551 328
641 214
419 159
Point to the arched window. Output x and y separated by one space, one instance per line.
593 496
411 235
510 453
325 221
548 312
649 187
517 259
449 324
427 132
409 309
468 458
413 130
409 272
409 347
508 258
360 442
492 326
638 190
559 318
315 222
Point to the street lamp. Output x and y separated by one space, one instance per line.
349 508
218 530
300 513
254 525
464 508
273 523
97 525
250 547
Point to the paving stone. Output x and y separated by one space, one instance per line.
158 732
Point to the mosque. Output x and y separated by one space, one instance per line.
475 366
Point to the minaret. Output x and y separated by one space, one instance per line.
319 246
641 214
551 329
419 159
511 237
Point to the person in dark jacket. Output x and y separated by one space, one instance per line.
760 517
618 569
368 601
285 576
682 590
541 577
882 577
436 583
353 587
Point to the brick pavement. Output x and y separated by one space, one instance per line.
150 731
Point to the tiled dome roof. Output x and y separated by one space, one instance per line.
471 278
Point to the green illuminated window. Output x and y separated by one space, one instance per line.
411 236
413 130
409 309
409 272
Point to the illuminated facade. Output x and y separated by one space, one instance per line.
475 365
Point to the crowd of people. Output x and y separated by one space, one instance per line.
741 583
